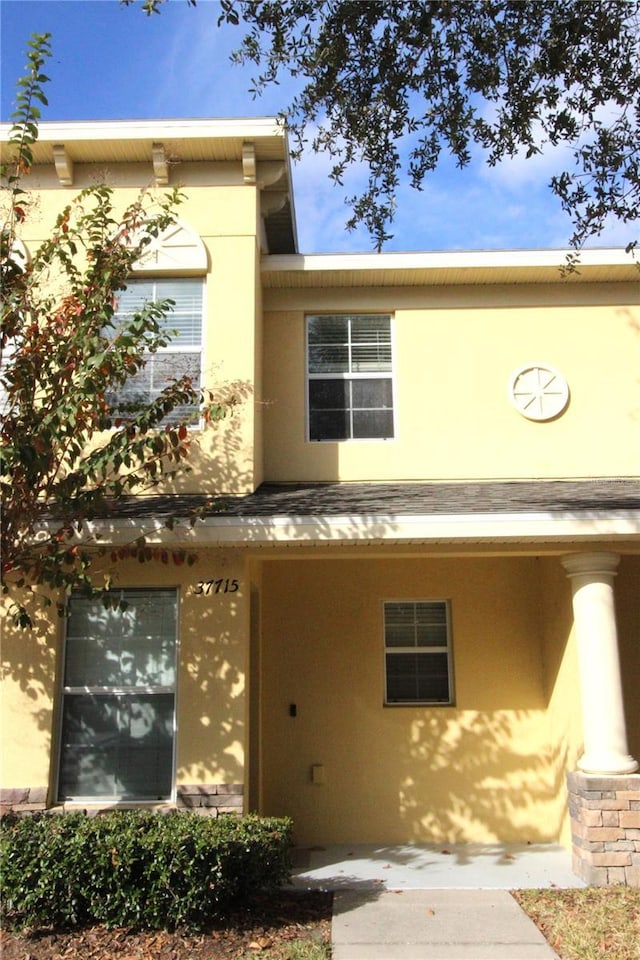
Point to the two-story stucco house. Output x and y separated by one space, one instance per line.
416 614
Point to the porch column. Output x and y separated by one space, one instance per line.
605 736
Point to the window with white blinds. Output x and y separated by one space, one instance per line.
349 375
117 730
184 353
417 639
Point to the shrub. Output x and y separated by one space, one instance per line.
136 869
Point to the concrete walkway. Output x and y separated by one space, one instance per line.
433 924
434 902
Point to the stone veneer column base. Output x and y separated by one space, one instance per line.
605 828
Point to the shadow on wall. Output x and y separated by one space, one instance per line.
30 662
490 768
211 671
212 680
221 458
470 774
627 593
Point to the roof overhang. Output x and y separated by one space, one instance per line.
489 529
393 514
259 146
602 265
101 141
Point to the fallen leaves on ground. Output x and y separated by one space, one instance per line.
592 923
265 927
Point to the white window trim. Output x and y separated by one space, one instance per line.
451 702
56 754
378 375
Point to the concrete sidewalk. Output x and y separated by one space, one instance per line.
434 901
433 925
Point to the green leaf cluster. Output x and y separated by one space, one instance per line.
24 130
68 450
136 868
395 85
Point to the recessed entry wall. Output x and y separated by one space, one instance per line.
349 768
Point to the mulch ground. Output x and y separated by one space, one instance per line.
267 925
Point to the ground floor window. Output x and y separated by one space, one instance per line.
118 708
418 666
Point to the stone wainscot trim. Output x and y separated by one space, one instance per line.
211 799
605 827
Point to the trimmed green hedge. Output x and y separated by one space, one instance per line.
136 869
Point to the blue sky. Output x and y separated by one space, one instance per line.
113 62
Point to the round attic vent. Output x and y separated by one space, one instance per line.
538 392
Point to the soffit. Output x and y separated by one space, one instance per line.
445 269
181 142
131 141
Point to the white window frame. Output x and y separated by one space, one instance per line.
419 650
174 348
351 376
109 690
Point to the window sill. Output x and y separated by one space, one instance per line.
430 704
355 440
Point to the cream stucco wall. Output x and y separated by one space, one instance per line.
627 598
211 690
226 456
482 770
561 683
30 662
455 351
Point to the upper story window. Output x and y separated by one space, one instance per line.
184 353
349 372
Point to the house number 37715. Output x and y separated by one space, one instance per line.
207 587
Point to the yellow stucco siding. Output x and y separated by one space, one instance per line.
627 594
227 456
453 366
211 689
212 204
211 706
561 684
29 684
481 770
224 456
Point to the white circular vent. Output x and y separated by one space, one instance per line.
538 392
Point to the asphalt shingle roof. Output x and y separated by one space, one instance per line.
578 497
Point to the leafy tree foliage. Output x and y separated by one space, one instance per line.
68 452
395 84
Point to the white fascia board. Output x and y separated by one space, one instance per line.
63 130
438 260
514 527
